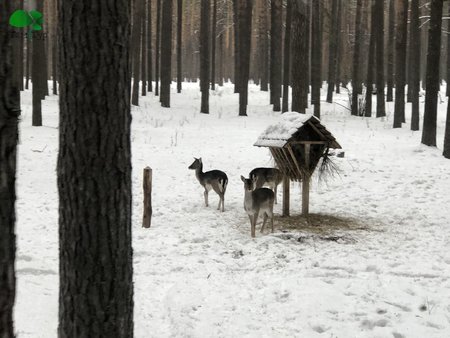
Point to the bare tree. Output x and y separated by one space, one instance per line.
204 55
245 29
179 44
333 50
415 63
287 57
275 54
370 63
356 85
166 52
316 57
390 51
379 15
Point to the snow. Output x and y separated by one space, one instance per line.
279 133
373 261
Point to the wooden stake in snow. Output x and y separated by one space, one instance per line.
147 184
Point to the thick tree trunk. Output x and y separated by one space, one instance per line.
400 62
356 85
166 52
55 66
245 29
415 63
9 113
158 44
144 48
287 57
221 48
237 79
29 45
275 54
316 58
179 44
204 55
94 170
390 52
333 50
381 108
448 52
264 47
370 63
300 53
339 48
432 78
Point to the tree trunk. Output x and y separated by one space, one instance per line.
149 48
356 85
166 52
381 109
400 61
213 45
446 151
370 63
136 50
333 46
9 113
448 52
339 47
287 56
144 47
275 53
316 58
300 55
415 63
245 30
237 80
432 77
28 63
264 49
390 51
221 47
157 47
204 55
179 44
94 170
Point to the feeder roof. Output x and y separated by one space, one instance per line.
289 129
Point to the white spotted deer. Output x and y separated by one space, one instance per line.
214 179
270 177
258 201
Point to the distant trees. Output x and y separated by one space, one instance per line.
9 113
94 170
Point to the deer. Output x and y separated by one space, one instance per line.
257 201
214 179
270 177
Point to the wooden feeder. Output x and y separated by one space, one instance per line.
297 143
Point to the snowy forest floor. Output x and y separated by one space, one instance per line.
373 261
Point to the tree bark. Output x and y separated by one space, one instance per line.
213 45
415 63
179 44
381 109
136 50
400 62
339 47
264 47
333 46
149 48
287 57
370 63
144 47
316 57
166 53
448 53
94 170
245 29
432 77
356 85
157 47
204 55
9 113
237 80
275 54
446 152
390 51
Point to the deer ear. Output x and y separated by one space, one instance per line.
200 159
243 178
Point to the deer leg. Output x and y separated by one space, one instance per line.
206 197
264 222
218 191
275 192
223 202
255 218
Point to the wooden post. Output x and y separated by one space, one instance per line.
147 183
305 182
286 195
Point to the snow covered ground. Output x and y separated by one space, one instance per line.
374 261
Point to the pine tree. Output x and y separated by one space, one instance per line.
179 44
379 15
204 55
287 56
275 54
390 53
166 53
356 85
333 50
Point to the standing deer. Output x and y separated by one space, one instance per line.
270 177
214 179
256 201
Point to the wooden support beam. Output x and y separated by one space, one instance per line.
286 196
147 184
305 182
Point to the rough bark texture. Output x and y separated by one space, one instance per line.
390 51
9 113
275 54
204 55
415 63
333 46
179 44
166 52
381 108
432 77
370 64
400 62
356 53
245 25
300 54
316 58
94 170
287 57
